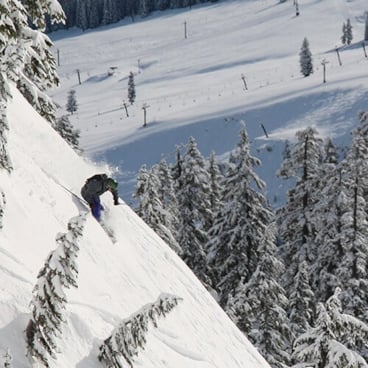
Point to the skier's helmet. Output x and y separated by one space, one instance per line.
112 184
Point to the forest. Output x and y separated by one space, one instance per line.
294 279
87 14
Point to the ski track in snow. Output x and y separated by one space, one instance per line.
167 339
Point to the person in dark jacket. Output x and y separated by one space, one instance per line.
96 186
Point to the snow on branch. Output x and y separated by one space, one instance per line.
48 304
126 340
2 207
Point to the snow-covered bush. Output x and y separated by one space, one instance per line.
123 345
48 304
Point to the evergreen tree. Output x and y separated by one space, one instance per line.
297 225
71 103
2 207
331 155
240 223
195 215
301 302
151 209
353 271
26 60
5 161
305 59
167 195
349 32
26 52
131 88
94 15
66 130
126 340
259 306
216 181
343 37
49 298
331 210
110 12
81 14
36 10
330 344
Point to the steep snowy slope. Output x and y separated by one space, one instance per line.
115 280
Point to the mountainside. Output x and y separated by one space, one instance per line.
114 281
193 86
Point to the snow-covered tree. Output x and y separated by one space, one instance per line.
167 195
166 188
258 307
71 103
216 181
2 207
64 127
353 270
151 209
331 210
26 57
126 340
131 88
297 225
37 9
305 59
194 207
331 156
301 302
49 299
5 161
240 223
330 344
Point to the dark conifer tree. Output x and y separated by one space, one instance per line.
71 103
297 225
343 36
305 59
349 32
131 88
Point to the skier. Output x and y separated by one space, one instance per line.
96 186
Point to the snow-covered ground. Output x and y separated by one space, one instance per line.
194 86
115 279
